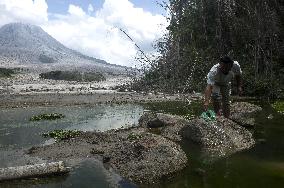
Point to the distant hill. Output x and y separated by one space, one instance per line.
30 44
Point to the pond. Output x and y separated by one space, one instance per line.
18 132
16 129
261 166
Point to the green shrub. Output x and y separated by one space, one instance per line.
73 76
279 106
6 72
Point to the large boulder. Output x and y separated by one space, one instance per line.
243 113
218 138
135 154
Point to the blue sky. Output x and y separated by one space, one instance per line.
92 27
61 6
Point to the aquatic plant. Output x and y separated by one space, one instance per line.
62 134
52 116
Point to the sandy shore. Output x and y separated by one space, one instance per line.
26 88
98 96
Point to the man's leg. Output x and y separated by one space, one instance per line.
216 100
225 92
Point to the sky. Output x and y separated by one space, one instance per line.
92 27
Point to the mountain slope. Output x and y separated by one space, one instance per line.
29 44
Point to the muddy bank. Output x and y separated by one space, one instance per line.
66 99
134 153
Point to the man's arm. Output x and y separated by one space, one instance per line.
207 92
239 84
238 75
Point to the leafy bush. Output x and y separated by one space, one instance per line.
200 32
279 106
73 76
6 72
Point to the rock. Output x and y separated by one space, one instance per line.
243 113
167 125
219 138
135 154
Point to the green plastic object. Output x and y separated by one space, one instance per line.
209 115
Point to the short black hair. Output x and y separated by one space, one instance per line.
226 60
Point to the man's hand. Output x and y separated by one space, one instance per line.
205 105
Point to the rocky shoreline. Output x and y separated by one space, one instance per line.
136 153
145 158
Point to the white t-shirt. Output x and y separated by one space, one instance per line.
213 76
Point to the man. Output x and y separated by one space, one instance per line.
218 84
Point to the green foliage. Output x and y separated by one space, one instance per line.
89 77
6 72
279 106
73 76
52 116
200 32
62 134
261 87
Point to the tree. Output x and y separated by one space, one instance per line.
201 31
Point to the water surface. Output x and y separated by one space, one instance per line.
18 133
260 166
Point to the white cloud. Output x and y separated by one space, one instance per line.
90 8
34 12
95 34
76 11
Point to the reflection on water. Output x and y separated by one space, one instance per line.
89 173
